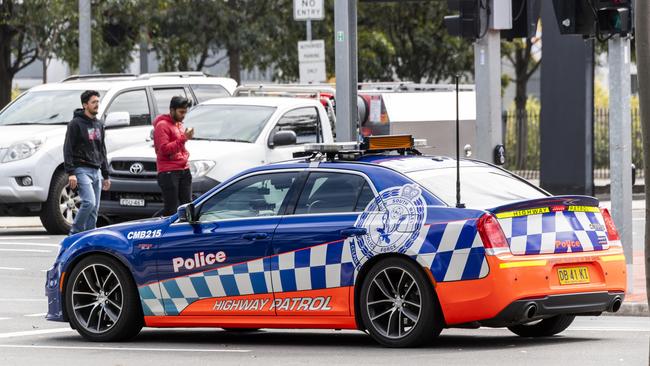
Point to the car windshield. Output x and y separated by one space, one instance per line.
241 123
481 187
43 107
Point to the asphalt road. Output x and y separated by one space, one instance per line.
26 338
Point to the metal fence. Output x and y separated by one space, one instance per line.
528 165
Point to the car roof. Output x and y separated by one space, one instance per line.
131 82
264 101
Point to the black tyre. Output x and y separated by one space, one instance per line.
543 328
61 207
398 304
101 300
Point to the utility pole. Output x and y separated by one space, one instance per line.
487 66
345 49
620 145
642 14
85 38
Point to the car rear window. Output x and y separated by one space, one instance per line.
481 187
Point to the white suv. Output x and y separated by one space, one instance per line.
32 130
230 135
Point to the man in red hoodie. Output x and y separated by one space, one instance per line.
169 137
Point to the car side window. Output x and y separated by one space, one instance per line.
207 92
304 122
162 97
258 195
333 192
135 102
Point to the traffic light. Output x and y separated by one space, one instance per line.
472 20
594 17
525 16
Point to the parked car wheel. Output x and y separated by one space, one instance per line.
545 327
101 300
61 207
398 304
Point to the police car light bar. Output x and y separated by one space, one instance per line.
334 147
387 142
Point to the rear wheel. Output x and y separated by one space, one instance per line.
545 327
101 300
398 305
61 207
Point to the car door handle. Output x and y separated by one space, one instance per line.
354 231
255 236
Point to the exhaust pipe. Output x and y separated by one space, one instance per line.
615 305
530 310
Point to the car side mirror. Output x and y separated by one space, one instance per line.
117 119
284 138
186 213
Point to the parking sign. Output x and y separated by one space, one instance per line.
308 10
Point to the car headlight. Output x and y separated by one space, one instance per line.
199 168
22 150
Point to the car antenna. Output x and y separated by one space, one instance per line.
458 204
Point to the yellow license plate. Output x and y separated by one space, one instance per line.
573 275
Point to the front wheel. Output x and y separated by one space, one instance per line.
398 305
61 207
101 300
543 328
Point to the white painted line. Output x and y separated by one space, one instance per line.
23 300
604 329
36 315
12 269
29 244
23 237
34 332
5 318
26 250
130 349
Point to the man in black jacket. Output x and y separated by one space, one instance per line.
84 154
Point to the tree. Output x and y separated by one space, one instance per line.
642 14
115 32
421 48
520 54
26 30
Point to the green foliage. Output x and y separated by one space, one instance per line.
533 108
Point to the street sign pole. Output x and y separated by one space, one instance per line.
308 25
620 145
345 50
85 46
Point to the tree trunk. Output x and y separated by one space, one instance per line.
6 74
643 70
234 67
521 116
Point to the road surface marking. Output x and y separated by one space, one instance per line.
604 329
26 250
35 315
23 237
131 349
35 332
5 318
23 300
12 269
29 244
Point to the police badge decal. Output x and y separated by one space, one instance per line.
393 221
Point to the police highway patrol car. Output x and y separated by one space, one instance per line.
364 236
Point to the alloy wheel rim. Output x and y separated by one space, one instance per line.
394 303
69 203
97 298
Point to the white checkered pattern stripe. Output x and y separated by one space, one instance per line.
555 232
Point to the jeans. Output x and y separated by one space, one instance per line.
89 185
176 187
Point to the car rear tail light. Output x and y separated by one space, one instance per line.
612 233
494 240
